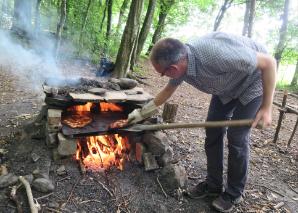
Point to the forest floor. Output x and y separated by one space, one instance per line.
273 179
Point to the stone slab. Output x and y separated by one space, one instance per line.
66 146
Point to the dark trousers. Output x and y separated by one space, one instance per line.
238 144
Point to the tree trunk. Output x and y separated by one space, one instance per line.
22 17
246 18
146 27
84 20
4 7
104 15
121 15
282 34
37 17
134 52
60 26
295 78
165 6
250 8
129 37
251 17
109 20
221 13
169 112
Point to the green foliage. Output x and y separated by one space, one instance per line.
286 86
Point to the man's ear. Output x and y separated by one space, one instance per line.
173 68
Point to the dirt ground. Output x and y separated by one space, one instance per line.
273 179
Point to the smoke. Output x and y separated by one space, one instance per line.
36 65
29 54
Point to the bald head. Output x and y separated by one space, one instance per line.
168 51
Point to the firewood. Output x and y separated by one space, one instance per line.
34 207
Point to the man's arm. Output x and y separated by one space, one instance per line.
267 65
150 108
164 94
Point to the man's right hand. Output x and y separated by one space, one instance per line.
140 114
135 117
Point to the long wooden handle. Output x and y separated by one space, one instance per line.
207 124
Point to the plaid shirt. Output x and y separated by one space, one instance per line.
224 65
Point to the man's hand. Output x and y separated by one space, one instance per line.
140 114
263 117
135 117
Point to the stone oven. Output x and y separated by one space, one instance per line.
76 119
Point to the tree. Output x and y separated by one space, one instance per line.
128 39
121 15
22 17
250 8
165 6
60 25
37 16
146 27
109 20
295 78
221 13
84 20
282 33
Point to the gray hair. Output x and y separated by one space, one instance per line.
168 51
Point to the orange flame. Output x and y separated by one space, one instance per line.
104 151
105 107
81 108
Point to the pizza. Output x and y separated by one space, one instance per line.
77 121
119 124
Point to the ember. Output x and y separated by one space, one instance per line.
102 152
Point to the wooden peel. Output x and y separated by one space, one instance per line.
207 124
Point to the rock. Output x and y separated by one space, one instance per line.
7 180
61 170
173 176
149 162
97 91
29 178
66 146
3 170
140 151
127 83
54 118
166 158
38 174
173 138
43 185
156 142
35 157
113 86
53 204
51 140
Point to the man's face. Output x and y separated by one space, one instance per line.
172 71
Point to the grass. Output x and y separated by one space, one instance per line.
284 86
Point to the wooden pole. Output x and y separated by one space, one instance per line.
281 115
207 124
293 133
169 112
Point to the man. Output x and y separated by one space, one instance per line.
240 75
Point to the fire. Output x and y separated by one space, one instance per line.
105 107
104 151
83 108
